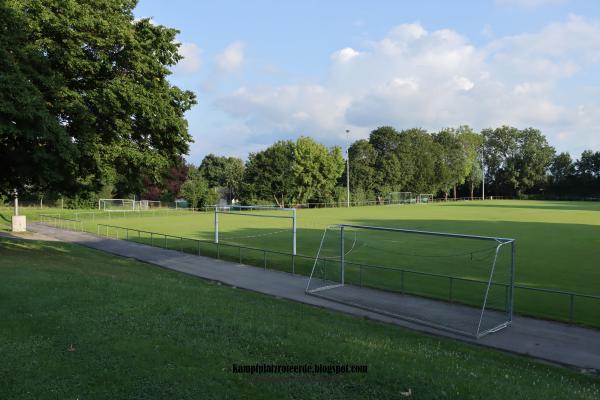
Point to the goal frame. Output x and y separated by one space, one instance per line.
478 332
391 202
250 214
102 204
145 205
420 196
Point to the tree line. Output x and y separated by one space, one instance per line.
449 163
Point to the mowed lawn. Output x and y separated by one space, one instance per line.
78 323
558 245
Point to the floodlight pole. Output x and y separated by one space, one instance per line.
482 173
348 168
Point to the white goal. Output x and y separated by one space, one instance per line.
254 224
426 198
146 205
460 283
400 198
116 205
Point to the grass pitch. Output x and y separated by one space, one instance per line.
558 244
79 323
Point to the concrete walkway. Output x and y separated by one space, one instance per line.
546 340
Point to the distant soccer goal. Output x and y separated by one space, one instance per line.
146 205
400 198
116 205
424 198
459 283
250 225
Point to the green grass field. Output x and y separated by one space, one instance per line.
558 245
78 323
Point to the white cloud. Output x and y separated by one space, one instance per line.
232 57
412 77
191 58
344 55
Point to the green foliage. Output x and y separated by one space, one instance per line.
91 81
223 172
291 173
516 160
196 191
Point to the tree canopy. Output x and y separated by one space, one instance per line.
85 101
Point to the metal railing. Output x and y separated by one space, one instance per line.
58 221
564 306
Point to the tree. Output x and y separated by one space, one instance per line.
362 167
223 172
562 167
97 78
36 148
196 191
516 159
394 163
452 165
316 170
268 174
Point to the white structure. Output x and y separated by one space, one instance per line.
466 282
425 198
145 205
19 222
116 205
254 211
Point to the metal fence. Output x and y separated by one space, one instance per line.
571 307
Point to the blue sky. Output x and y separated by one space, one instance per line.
269 70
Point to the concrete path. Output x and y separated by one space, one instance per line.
546 340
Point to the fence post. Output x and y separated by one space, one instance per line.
265 259
293 264
166 245
126 233
450 288
151 239
402 281
198 247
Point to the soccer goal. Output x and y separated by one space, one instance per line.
459 283
146 205
400 198
425 198
250 225
116 205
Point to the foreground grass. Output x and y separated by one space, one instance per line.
82 324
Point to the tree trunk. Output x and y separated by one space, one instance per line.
472 190
446 195
455 191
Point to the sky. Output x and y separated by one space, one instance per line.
274 70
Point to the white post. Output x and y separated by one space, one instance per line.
216 225
342 253
16 203
294 233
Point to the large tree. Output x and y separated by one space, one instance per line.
223 172
316 170
516 160
90 82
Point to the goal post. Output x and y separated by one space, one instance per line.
116 205
459 283
267 212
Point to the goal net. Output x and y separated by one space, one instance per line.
400 198
459 283
424 198
145 205
262 227
116 205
